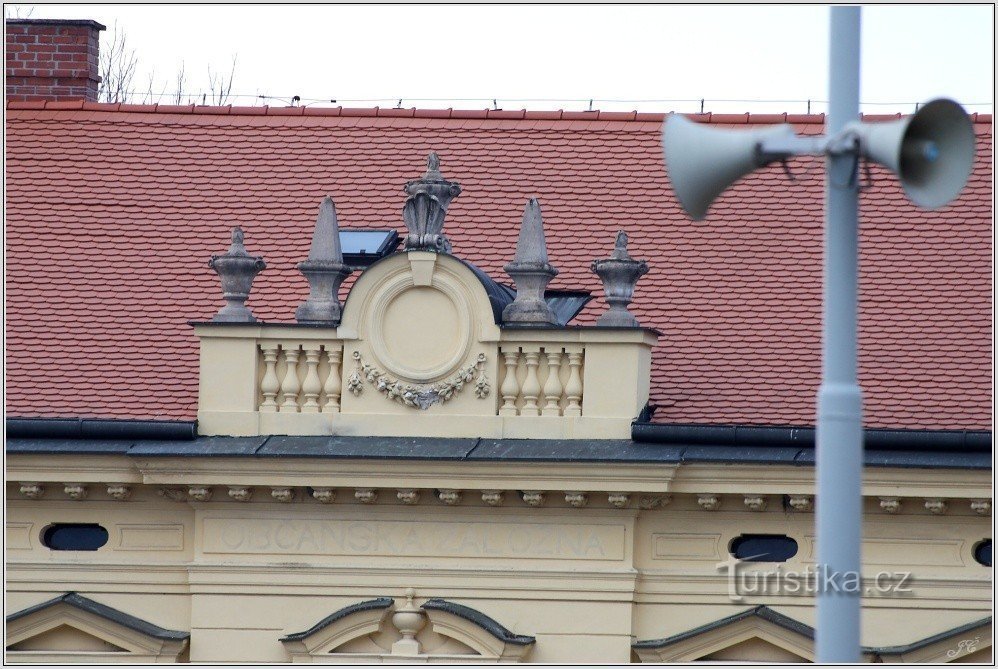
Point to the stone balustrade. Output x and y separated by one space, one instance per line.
541 380
303 377
532 383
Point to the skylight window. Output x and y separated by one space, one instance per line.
362 248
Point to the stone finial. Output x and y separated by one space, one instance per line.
619 273
408 619
531 272
236 269
426 207
324 270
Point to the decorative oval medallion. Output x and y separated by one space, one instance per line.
421 333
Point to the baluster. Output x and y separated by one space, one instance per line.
573 389
311 387
510 387
334 385
269 385
531 386
289 387
552 386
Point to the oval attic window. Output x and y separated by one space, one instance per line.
763 547
74 537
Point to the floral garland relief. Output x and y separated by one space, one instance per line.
418 396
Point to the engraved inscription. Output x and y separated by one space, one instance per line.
401 538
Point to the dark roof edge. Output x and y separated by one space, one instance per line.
874 439
106 612
928 641
379 603
478 618
766 613
89 23
100 428
761 611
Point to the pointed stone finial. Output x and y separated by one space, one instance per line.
408 620
531 272
619 273
426 207
433 167
620 247
236 269
324 270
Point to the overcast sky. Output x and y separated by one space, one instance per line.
652 58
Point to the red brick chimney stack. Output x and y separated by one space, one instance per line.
51 59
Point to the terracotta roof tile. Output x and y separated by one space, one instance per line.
138 199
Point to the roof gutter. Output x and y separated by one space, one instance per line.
100 428
961 441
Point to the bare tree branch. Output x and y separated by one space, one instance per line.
219 87
117 68
178 96
18 11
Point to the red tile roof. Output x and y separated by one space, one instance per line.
113 211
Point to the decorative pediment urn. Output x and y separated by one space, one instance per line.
619 273
531 272
426 207
324 270
236 269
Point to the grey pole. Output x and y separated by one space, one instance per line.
839 421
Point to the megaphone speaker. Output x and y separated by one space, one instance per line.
932 151
703 161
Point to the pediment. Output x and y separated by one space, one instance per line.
971 642
761 634
382 629
757 634
72 628
68 638
753 650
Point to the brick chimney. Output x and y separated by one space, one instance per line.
51 59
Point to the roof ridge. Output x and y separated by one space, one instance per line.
412 112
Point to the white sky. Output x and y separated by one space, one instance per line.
652 58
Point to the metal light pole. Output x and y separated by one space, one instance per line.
932 154
839 420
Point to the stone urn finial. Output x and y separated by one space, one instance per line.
531 272
236 269
426 207
324 270
408 620
619 273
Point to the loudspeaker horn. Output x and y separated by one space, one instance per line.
703 161
932 151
